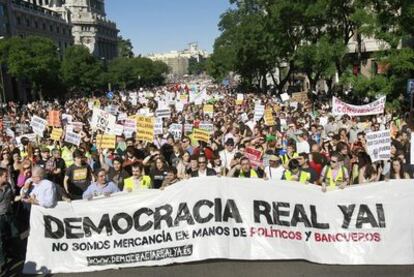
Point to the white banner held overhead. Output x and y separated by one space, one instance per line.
72 138
379 145
176 130
225 218
258 112
102 120
340 108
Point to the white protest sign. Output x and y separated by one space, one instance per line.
188 127
179 106
117 130
72 138
379 145
122 116
209 127
176 130
258 112
130 126
102 120
225 218
285 97
38 123
112 109
133 98
158 130
163 113
340 108
30 137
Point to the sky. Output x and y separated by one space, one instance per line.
157 26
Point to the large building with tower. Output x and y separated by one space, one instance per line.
66 22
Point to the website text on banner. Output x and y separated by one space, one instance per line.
224 218
340 108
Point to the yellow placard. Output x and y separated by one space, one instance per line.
300 97
201 135
239 102
208 109
106 141
145 128
268 117
56 134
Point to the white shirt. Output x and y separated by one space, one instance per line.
274 173
45 193
202 173
226 157
302 147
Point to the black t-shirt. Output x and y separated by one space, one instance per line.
158 177
79 179
118 177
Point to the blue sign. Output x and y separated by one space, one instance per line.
110 95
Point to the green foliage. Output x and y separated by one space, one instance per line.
125 48
34 59
197 67
128 73
80 70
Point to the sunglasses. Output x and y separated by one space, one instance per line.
334 162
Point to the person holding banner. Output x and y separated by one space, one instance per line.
334 175
101 187
243 170
138 181
295 173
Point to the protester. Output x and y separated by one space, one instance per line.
8 226
101 187
138 181
203 170
295 173
43 192
335 174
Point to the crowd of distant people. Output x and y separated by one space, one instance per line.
305 143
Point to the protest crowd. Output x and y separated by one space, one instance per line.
151 139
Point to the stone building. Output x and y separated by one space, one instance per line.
90 27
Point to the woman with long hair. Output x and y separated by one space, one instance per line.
397 170
158 172
183 165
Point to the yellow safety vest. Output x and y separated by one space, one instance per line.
67 156
286 158
303 176
340 177
144 183
253 174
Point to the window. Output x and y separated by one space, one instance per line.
27 22
36 25
51 28
44 26
57 29
1 10
19 21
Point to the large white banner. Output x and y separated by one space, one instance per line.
340 108
226 218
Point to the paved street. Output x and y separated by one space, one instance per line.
241 268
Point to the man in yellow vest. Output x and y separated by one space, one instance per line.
243 170
138 181
334 175
291 154
295 173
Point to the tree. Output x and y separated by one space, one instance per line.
125 48
34 59
196 67
129 73
80 69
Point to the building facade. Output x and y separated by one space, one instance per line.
178 61
90 27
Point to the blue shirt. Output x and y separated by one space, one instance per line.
95 189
